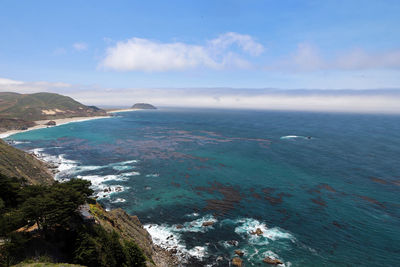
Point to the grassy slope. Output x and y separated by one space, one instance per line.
30 106
16 163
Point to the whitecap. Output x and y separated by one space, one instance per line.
295 136
191 215
197 225
127 162
20 142
107 190
248 225
118 200
166 237
130 174
152 175
198 252
122 167
85 168
66 164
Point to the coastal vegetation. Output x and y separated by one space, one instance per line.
44 222
17 163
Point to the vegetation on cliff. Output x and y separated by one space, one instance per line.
17 163
44 221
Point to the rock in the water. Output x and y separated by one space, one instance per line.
237 262
179 226
270 260
239 252
233 243
257 232
210 223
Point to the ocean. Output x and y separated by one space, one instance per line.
323 188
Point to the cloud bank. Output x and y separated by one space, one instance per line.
137 54
363 101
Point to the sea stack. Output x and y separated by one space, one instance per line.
143 106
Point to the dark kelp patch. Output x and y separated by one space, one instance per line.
231 196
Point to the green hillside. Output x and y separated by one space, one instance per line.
43 106
17 163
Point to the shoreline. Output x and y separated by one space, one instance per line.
122 110
42 123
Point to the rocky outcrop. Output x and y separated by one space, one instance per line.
272 261
239 253
130 228
237 262
51 123
257 232
143 106
210 223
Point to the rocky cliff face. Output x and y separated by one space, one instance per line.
17 163
130 228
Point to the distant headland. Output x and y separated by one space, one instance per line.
143 106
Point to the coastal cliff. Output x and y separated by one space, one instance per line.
127 228
130 228
17 163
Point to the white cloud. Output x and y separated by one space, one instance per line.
80 46
8 85
137 54
5 82
245 42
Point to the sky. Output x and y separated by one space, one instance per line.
248 47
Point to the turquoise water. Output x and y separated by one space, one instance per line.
323 188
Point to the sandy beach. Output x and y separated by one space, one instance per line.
122 110
42 123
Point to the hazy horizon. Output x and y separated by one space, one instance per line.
328 100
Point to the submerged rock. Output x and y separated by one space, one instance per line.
239 252
257 232
270 260
233 243
237 262
210 223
